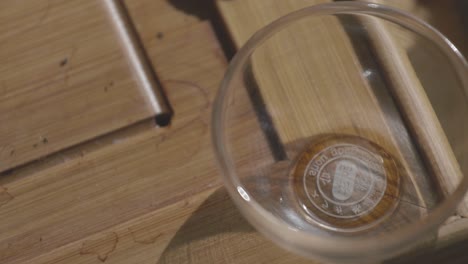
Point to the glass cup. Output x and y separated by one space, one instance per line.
340 131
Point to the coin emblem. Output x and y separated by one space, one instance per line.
346 181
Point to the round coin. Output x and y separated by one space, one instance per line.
346 182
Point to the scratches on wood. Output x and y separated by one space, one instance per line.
5 196
101 247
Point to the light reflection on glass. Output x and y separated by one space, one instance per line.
243 193
367 73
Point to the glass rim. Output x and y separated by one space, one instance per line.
309 244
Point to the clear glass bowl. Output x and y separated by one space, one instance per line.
341 131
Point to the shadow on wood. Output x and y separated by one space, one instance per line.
453 254
214 229
206 10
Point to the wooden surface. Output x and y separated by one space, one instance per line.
63 78
141 194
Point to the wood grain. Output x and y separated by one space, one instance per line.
177 234
127 179
126 197
63 78
123 197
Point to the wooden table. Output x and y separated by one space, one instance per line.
86 175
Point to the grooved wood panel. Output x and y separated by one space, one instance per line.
127 179
63 78
142 195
